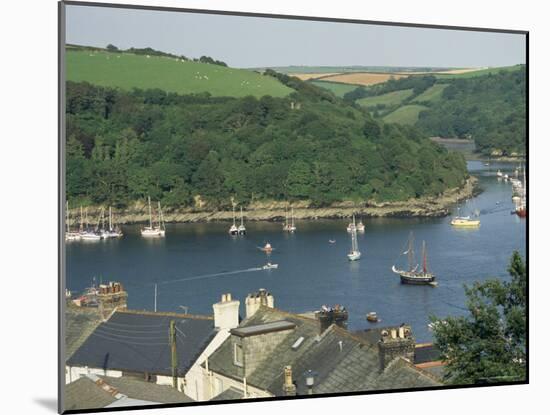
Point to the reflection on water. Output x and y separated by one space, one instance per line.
312 271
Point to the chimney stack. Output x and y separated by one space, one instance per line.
289 388
256 300
395 342
226 313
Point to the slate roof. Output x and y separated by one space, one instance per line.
79 324
133 341
342 362
85 393
230 394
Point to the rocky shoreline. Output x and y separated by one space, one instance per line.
275 211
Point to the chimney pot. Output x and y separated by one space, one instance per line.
401 332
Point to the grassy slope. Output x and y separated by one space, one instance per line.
336 88
127 71
407 114
431 94
478 73
391 98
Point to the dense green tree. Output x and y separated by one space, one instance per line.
125 146
489 344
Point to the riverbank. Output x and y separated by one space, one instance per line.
275 211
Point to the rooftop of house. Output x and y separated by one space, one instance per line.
135 341
230 394
80 322
91 392
341 361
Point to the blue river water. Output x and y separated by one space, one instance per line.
195 263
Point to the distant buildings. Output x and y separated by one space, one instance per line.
269 353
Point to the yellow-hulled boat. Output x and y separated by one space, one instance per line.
465 222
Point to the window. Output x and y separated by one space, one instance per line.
238 354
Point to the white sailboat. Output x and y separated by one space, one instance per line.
89 234
70 235
154 231
112 231
352 226
241 229
360 226
290 226
233 230
354 254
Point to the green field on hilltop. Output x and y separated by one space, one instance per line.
407 114
431 94
336 88
481 72
128 71
391 98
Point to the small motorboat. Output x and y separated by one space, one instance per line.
372 317
269 265
267 248
332 241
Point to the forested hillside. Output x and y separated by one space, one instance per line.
123 146
490 109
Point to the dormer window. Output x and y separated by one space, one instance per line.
238 354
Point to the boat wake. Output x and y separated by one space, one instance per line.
205 276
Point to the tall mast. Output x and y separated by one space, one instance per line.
100 219
424 262
160 216
81 219
87 223
242 216
110 219
150 214
411 251
233 215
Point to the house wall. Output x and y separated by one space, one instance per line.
195 385
257 348
215 384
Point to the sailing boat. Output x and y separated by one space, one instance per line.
521 210
154 231
233 230
465 221
89 234
242 229
70 235
413 276
352 226
354 254
290 227
360 226
112 232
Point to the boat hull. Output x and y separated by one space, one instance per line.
466 223
354 256
521 212
152 233
417 280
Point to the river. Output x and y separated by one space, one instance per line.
196 263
